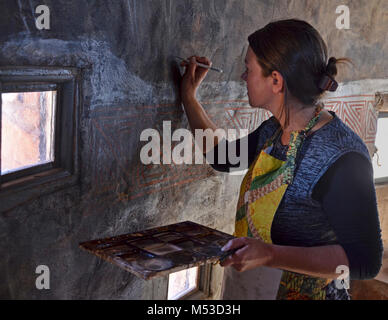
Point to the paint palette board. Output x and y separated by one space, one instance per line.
163 250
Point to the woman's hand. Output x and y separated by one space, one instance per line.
252 253
193 75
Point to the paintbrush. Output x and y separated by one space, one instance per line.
200 64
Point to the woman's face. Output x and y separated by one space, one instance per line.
260 91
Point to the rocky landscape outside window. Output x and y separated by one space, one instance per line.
27 130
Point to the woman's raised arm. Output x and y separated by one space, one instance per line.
197 116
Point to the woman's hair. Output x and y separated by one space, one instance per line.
297 51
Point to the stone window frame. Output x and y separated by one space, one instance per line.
204 283
21 186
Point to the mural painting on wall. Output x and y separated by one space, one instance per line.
357 112
118 175
125 178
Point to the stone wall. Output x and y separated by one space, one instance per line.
125 50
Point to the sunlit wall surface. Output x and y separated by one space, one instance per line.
382 145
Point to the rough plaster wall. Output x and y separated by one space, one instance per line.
124 48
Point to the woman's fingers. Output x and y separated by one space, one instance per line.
248 253
192 66
227 261
193 74
234 243
204 60
185 63
194 59
237 247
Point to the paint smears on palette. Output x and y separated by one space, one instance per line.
160 251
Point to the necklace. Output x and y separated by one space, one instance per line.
296 140
277 135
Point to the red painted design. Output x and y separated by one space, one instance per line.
358 113
127 178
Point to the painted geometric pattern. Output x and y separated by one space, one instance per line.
115 134
356 111
359 114
245 117
118 175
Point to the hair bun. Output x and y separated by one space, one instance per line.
331 68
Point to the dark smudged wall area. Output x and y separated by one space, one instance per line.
128 83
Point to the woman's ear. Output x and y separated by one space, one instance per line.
277 82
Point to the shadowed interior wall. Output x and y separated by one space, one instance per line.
124 49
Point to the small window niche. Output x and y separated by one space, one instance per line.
182 283
380 158
190 284
39 110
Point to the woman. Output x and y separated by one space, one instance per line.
307 204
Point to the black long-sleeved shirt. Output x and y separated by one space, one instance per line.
346 192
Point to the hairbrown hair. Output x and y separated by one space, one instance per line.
297 51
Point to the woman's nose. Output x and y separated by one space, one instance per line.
244 76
